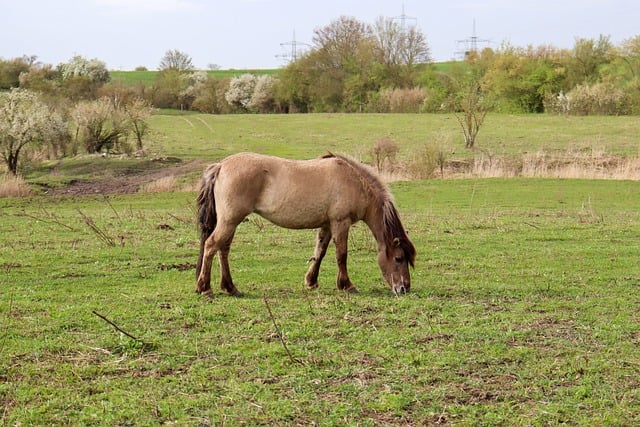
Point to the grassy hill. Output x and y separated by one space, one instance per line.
148 77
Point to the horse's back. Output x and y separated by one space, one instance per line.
290 193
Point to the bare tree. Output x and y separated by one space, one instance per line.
399 50
138 113
384 149
473 112
176 60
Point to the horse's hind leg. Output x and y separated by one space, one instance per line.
322 242
219 241
226 283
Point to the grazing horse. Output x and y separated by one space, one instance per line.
329 193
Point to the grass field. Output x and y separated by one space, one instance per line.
595 141
524 310
147 78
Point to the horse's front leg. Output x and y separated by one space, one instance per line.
322 242
340 233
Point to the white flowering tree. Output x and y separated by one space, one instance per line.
26 121
241 91
263 97
92 69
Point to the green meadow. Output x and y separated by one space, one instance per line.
148 77
524 307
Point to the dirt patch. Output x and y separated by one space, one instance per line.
125 184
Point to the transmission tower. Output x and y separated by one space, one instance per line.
403 19
470 45
295 52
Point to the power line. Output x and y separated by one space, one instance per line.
295 51
471 44
404 18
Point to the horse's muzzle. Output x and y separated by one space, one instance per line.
400 288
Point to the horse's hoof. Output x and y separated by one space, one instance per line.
236 294
208 294
352 290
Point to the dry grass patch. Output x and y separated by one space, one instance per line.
593 163
14 186
164 184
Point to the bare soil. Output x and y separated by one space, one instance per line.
126 184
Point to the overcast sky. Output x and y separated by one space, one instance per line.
256 33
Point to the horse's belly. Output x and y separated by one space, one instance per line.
299 218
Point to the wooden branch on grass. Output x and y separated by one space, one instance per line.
275 325
118 328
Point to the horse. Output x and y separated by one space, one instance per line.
329 193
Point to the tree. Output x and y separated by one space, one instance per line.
263 97
211 99
137 114
588 56
241 91
399 49
11 70
340 65
473 112
81 78
100 124
170 84
176 60
26 121
92 69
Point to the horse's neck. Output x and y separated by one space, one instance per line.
375 222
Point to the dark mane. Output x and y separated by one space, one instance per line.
392 226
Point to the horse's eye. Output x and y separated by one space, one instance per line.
399 259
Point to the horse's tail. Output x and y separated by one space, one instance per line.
207 216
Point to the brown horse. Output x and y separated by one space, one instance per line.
329 193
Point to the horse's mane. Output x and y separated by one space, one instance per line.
391 224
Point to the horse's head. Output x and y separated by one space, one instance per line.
394 262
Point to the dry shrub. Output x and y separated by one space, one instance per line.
584 100
384 151
426 162
591 163
401 100
14 186
164 184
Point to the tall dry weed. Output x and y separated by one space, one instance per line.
592 163
14 186
161 185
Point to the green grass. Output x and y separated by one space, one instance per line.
310 135
190 136
147 78
523 311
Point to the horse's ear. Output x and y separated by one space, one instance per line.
396 242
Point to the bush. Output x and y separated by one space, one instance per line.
264 93
241 91
400 100
384 150
426 161
13 186
584 100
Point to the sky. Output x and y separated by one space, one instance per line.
257 34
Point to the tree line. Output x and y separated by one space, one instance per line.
351 66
